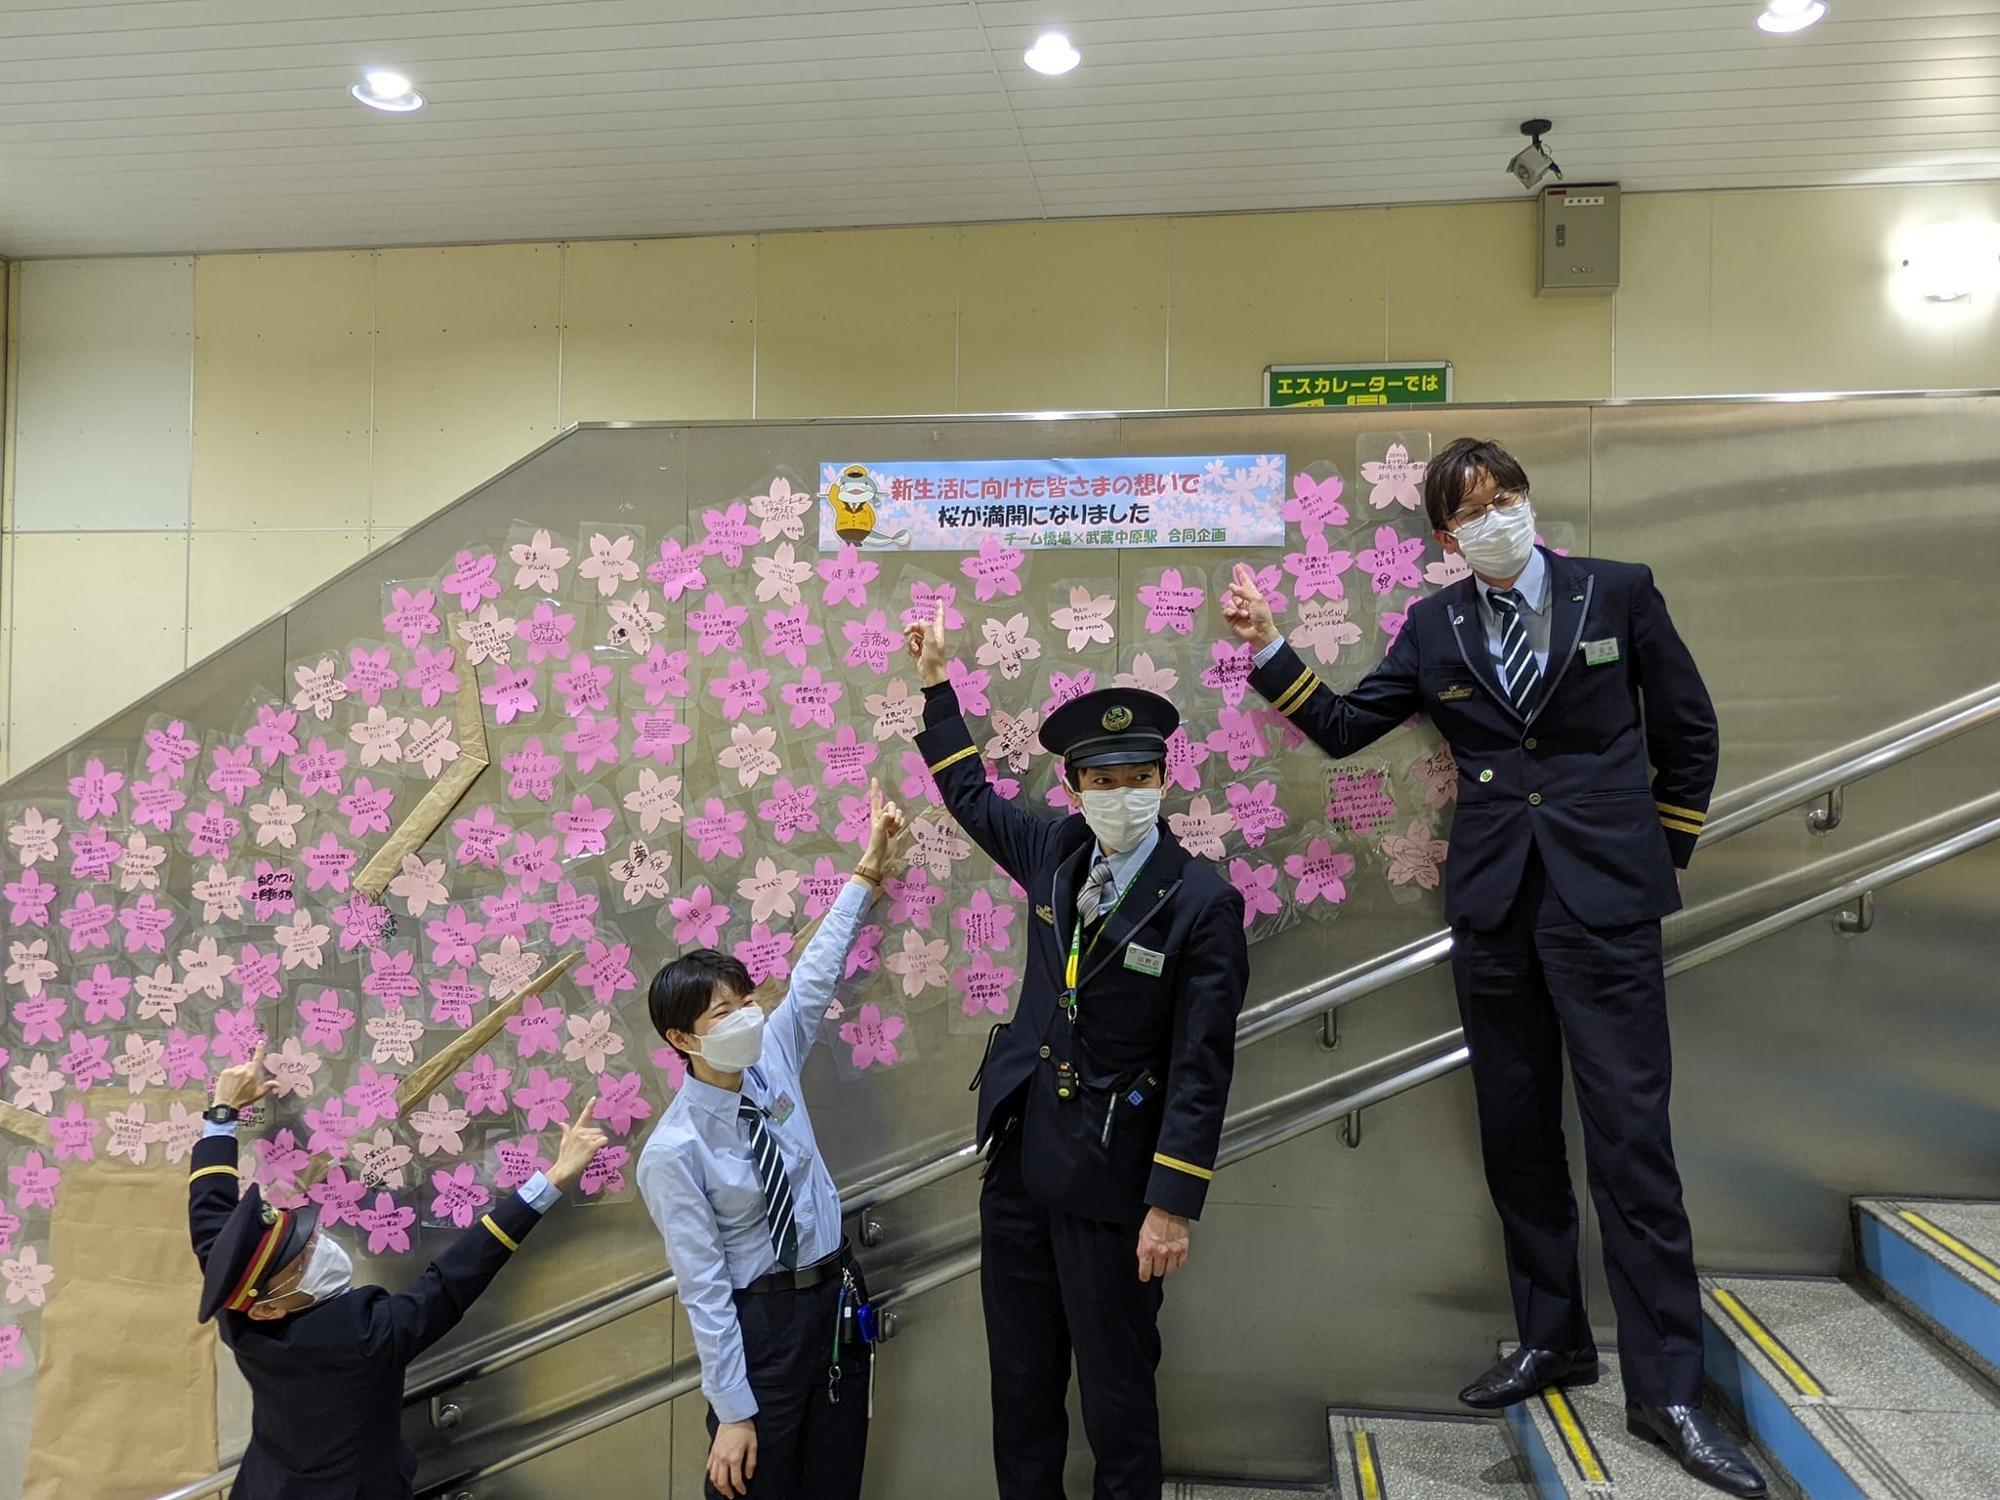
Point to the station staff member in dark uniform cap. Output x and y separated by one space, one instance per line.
324 1361
1557 682
1101 1101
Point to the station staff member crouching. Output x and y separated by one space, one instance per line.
324 1360
733 1178
1101 1101
1557 682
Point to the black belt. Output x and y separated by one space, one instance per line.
804 1278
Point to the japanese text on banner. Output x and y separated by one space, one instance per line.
1229 500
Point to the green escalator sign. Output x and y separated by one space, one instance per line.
1415 384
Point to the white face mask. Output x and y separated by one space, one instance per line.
1120 818
736 1041
1500 541
329 1272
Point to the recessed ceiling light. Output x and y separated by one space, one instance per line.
381 89
1782 17
1052 54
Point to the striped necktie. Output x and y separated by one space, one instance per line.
1091 897
1518 671
777 1191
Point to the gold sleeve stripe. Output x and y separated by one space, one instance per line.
1679 827
499 1233
1183 1166
1297 693
954 758
1683 812
201 1172
1296 683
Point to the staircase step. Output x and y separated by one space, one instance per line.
1405 1456
1851 1399
1939 1261
1576 1447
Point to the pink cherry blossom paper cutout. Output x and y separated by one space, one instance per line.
994 571
1319 874
1258 884
1392 563
872 1038
1415 857
1315 503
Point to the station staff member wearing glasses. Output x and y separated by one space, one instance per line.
1586 748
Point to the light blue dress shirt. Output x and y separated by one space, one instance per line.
1125 865
700 1184
537 1192
1533 585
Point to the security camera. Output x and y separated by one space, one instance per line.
1533 162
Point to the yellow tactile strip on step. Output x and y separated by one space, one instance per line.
1951 1243
1803 1382
1577 1441
1367 1472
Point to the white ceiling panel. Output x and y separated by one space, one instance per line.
176 125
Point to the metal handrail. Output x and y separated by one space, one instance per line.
1731 814
1268 1125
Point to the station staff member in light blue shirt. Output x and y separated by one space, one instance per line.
734 1180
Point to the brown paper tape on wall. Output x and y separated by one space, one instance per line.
125 1396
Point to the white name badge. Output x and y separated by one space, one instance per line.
1600 653
1144 960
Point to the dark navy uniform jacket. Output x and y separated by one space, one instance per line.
326 1384
1571 779
1153 1052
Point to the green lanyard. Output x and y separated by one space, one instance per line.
1075 964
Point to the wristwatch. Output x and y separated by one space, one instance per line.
221 1114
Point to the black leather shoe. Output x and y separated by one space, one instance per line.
1525 1371
1701 1447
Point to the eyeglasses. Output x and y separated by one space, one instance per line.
1501 502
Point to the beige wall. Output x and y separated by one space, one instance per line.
204 439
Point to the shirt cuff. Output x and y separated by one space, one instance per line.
1262 658
539 1193
736 1403
213 1129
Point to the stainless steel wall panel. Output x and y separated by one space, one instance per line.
1830 564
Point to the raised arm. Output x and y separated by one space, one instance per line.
406 1324
213 1185
1681 737
796 1020
1341 724
1016 839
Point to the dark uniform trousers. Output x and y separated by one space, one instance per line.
1561 865
1538 982
326 1384
1056 1285
812 1430
1075 1166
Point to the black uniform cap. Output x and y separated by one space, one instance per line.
1111 727
257 1244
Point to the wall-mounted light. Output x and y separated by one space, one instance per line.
381 89
1783 17
1052 54
1953 262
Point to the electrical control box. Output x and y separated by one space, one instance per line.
1579 241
